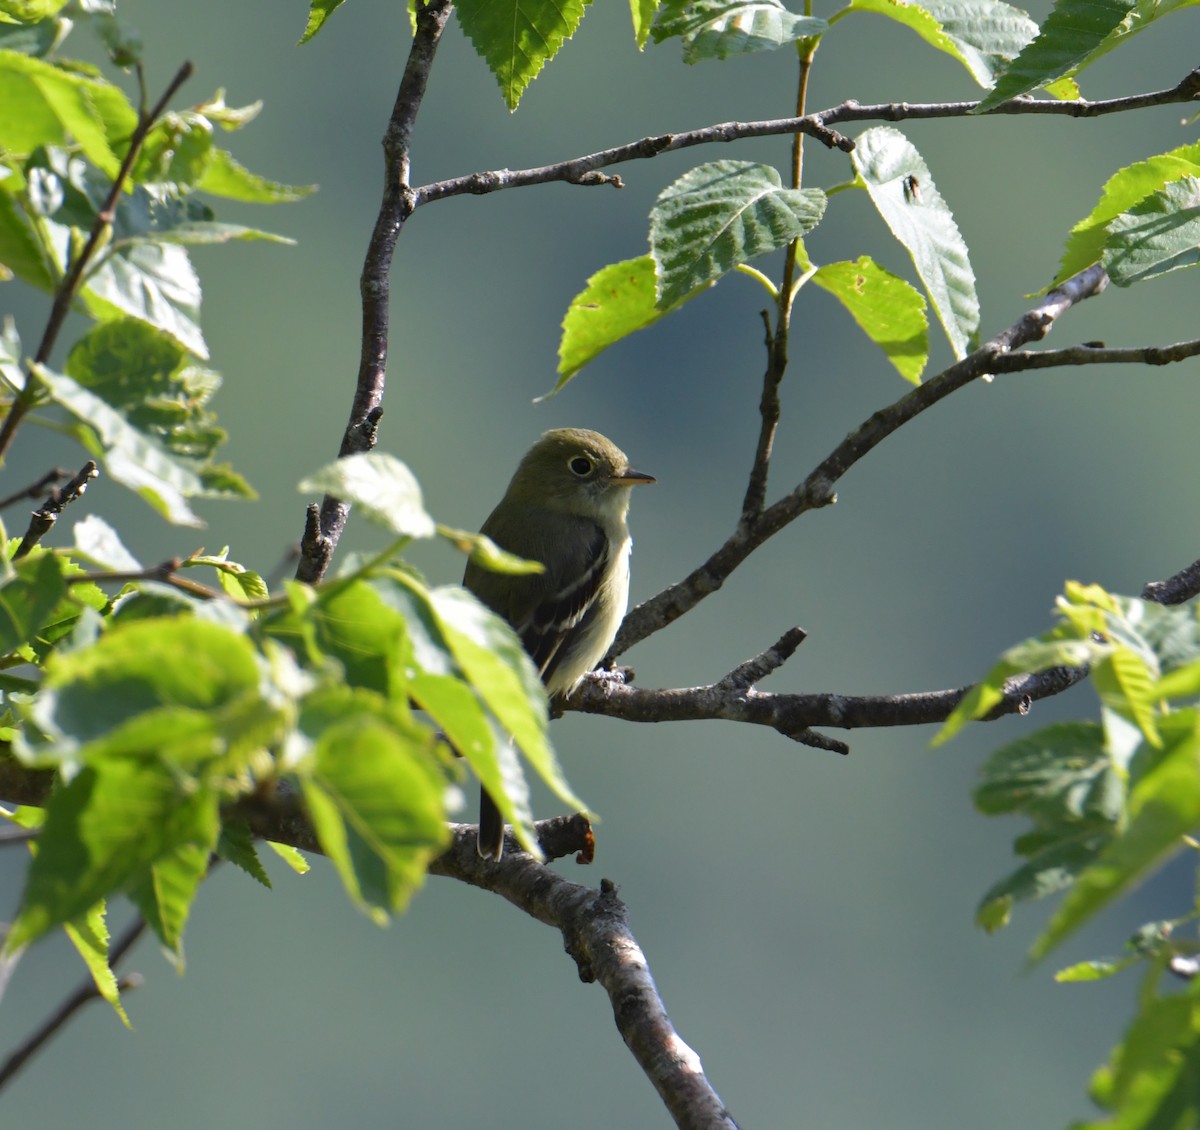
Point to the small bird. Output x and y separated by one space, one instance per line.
565 507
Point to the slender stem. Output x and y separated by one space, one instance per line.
323 531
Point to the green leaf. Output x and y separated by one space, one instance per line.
29 595
496 665
643 16
516 38
133 458
318 12
234 579
1164 806
38 38
100 544
1125 684
1125 188
618 300
154 282
293 858
719 215
20 250
144 374
1030 656
983 35
27 11
904 194
716 29
375 796
89 935
385 489
1160 234
1151 1081
483 551
236 844
225 177
1068 40
887 309
152 676
1092 970
46 105
165 890
101 831
350 622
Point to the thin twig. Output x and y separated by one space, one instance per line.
87 991
815 125
35 490
65 293
42 520
375 283
817 489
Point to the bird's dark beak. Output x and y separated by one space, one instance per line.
631 478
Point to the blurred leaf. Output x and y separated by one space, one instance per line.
643 16
101 830
318 12
20 250
96 540
38 38
719 215
1123 189
89 936
29 596
1164 806
376 799
483 551
1067 42
26 11
1157 235
385 489
294 859
181 667
983 35
225 177
1151 1080
1092 970
716 29
164 892
1124 683
516 38
904 194
46 105
889 311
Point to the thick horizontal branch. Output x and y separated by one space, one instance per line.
817 489
795 715
582 170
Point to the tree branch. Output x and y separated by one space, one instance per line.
735 699
87 991
1176 589
395 207
817 489
576 170
42 520
36 489
596 933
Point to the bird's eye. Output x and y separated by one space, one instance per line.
580 465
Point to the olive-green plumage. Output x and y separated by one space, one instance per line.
565 507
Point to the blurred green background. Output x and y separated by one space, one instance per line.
808 918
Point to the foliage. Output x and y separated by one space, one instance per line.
169 711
